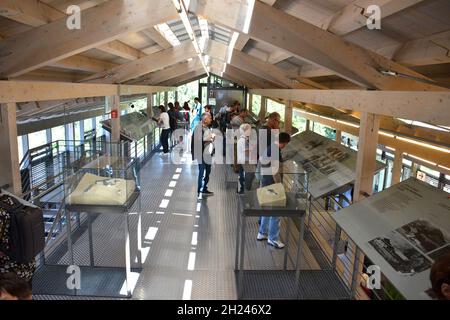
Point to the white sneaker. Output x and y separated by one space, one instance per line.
277 244
261 237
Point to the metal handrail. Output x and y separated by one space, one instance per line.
55 221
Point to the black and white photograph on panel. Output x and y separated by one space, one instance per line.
424 235
400 254
439 252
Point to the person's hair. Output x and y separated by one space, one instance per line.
162 108
170 105
186 105
196 99
274 115
440 274
284 137
242 110
208 107
177 104
15 286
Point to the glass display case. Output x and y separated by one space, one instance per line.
103 251
104 184
274 192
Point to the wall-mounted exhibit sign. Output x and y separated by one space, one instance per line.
329 164
403 230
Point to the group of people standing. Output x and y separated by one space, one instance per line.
233 117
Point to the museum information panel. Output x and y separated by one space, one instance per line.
403 230
329 164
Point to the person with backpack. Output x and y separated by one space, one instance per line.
17 248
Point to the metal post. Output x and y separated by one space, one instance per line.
91 244
69 236
127 255
299 248
355 273
337 237
241 259
309 200
238 229
77 216
139 238
286 243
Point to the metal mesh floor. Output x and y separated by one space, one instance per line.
189 245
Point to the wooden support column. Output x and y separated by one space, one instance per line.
366 160
308 126
176 96
397 168
166 98
288 111
414 169
150 105
9 152
250 102
338 136
263 110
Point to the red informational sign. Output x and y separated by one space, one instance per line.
114 114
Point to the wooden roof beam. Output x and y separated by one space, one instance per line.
354 16
315 45
122 50
185 78
147 64
171 72
22 53
400 104
81 63
154 35
25 91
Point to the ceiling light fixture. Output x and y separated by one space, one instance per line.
426 145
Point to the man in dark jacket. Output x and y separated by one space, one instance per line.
201 149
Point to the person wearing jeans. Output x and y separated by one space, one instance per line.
164 124
203 178
200 149
269 228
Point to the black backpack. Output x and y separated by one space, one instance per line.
173 123
26 230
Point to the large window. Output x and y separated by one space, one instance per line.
324 130
100 131
256 104
273 106
37 139
20 146
187 92
171 96
58 133
298 121
88 126
77 130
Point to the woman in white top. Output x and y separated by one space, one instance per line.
164 124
